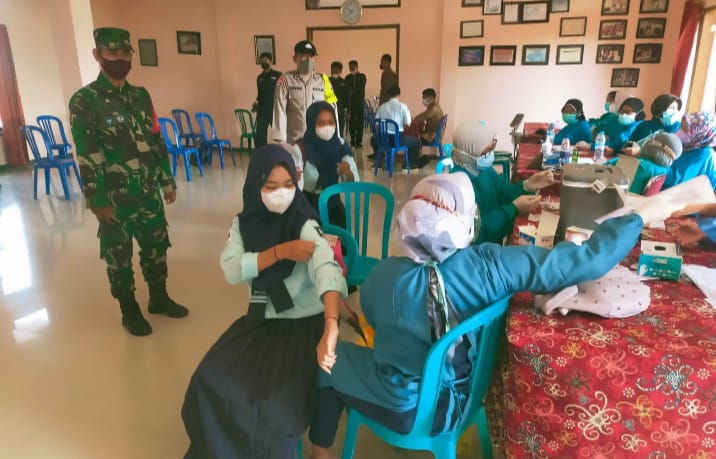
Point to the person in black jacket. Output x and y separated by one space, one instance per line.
263 106
355 85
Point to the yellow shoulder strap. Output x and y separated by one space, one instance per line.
330 94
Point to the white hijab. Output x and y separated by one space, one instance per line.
439 217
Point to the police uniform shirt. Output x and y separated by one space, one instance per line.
292 98
266 84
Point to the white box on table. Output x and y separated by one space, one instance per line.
660 259
543 234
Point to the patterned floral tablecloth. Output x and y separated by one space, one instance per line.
582 386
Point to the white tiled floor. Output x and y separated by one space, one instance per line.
73 383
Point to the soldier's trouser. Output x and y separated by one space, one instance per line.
356 125
263 124
148 225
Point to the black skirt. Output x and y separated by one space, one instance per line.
253 394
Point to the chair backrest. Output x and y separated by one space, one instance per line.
203 119
443 164
242 115
170 133
485 328
48 123
653 186
357 198
441 130
183 122
383 127
31 134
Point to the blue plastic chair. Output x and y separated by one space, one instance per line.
354 236
437 143
210 140
382 132
248 129
170 132
48 123
486 326
186 132
63 165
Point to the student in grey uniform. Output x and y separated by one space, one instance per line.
295 91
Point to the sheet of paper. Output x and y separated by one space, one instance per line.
697 190
704 278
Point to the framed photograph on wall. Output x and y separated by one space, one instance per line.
188 42
503 55
647 53
612 29
654 6
615 7
610 54
336 4
148 52
535 12
492 7
471 29
651 28
265 44
573 27
511 13
570 54
625 78
471 2
559 6
471 55
535 55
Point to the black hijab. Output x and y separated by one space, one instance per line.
262 229
578 107
324 154
637 105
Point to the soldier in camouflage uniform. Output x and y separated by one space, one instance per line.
123 162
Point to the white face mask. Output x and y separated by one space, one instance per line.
627 119
278 201
426 102
326 132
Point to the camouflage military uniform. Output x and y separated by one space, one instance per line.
123 162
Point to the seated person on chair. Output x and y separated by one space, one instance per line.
655 158
429 120
698 136
618 130
397 111
401 302
577 129
665 118
610 108
326 159
690 231
498 202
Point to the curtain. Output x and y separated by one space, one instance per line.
10 107
687 35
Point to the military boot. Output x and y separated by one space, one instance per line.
132 318
160 303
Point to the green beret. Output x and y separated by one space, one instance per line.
112 38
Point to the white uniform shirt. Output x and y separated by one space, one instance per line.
292 98
395 110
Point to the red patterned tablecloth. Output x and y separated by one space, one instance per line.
582 386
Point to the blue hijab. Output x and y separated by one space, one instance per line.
324 154
262 229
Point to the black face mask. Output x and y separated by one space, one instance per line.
265 65
117 70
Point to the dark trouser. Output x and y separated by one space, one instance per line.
406 141
146 224
262 125
341 120
355 128
336 208
331 405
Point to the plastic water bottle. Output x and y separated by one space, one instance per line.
564 157
599 144
546 147
550 133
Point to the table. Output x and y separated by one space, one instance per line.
582 386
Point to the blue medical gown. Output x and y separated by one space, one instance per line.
394 301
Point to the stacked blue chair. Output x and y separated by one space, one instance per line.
170 132
437 143
210 140
383 128
186 131
48 123
354 235
484 329
63 165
